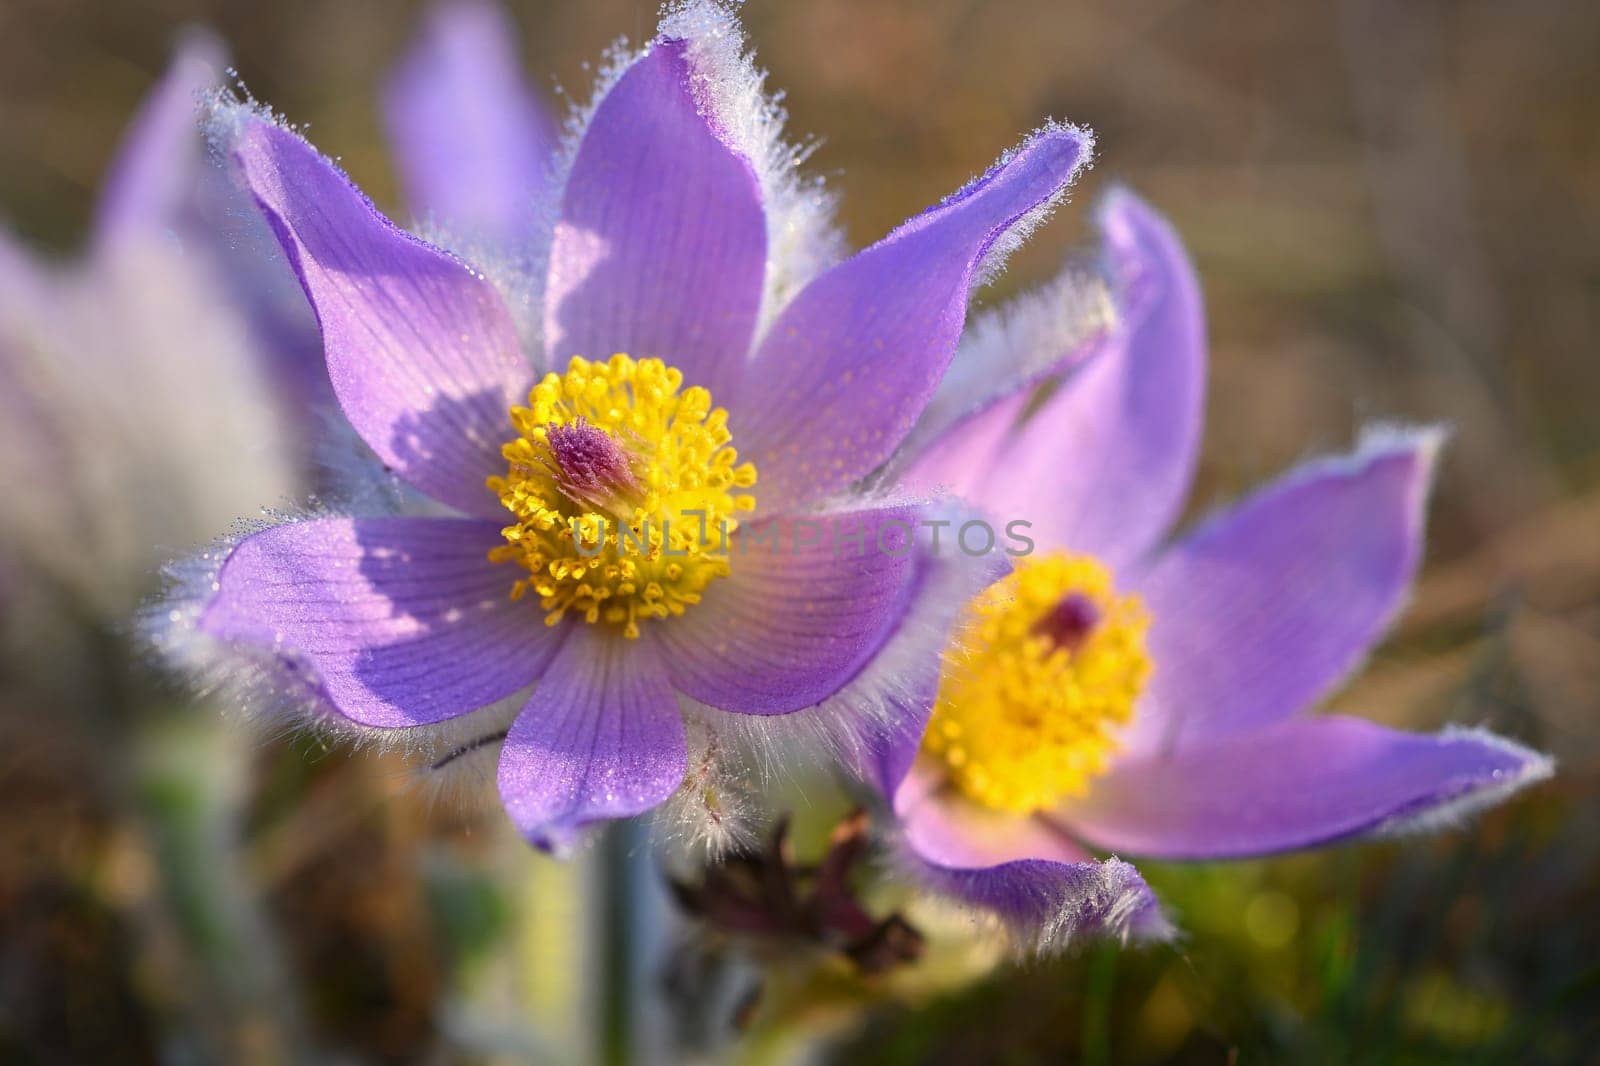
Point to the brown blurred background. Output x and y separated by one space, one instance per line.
1395 209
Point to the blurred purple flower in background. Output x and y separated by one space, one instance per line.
1125 693
674 229
151 393
474 147
108 461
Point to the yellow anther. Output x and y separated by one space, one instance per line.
1045 668
623 489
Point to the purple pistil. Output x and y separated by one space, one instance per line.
591 468
1070 621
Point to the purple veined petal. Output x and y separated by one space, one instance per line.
1263 610
1297 784
422 354
1103 466
795 620
848 366
159 163
473 145
661 245
601 738
1022 868
393 622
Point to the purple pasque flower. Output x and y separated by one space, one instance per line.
759 383
1123 692
106 461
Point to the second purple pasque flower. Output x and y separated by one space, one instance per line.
1127 691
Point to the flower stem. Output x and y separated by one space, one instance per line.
617 936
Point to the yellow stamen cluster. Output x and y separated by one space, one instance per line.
613 534
1029 705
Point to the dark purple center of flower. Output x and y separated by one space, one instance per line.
1070 621
591 468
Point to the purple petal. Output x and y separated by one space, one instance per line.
1265 609
601 738
473 145
961 460
849 365
795 619
662 242
1004 354
1104 465
421 352
159 163
1026 871
1297 784
395 622
946 828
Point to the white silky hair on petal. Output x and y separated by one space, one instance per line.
356 480
1115 904
1131 914
1000 249
517 274
715 812
615 60
225 109
1035 336
802 236
1455 811
249 682
458 760
352 473
1375 441
452 761
883 699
